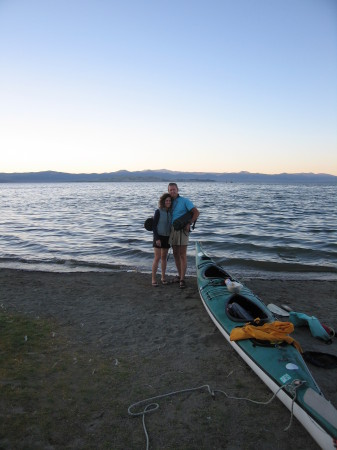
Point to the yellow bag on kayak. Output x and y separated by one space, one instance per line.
274 331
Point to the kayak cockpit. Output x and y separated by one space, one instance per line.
241 309
216 272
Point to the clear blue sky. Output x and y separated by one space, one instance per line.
211 85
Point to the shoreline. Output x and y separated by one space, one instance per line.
116 340
119 268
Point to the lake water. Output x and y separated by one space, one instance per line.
270 231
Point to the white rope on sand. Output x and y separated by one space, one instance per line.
151 406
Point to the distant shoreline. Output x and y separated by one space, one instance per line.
161 176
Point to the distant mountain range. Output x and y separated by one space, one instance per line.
165 175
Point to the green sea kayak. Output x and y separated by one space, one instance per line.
279 365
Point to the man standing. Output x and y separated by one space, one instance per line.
179 239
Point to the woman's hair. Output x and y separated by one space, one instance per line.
162 199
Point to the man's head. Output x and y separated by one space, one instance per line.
173 190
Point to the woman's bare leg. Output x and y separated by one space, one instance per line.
155 263
163 255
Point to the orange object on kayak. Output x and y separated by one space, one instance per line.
275 331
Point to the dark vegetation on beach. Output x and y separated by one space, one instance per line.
55 393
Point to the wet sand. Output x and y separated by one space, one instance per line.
132 341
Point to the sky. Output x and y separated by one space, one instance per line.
188 85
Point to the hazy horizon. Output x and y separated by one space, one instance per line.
170 171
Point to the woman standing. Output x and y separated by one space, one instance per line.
161 231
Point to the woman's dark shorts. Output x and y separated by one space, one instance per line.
164 242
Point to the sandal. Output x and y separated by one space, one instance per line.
182 284
164 282
155 284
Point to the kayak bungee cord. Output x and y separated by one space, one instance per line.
151 406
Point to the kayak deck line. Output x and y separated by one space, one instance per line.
150 405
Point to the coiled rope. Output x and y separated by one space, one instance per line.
151 406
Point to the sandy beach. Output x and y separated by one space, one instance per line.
108 340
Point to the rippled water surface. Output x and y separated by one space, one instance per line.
252 230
